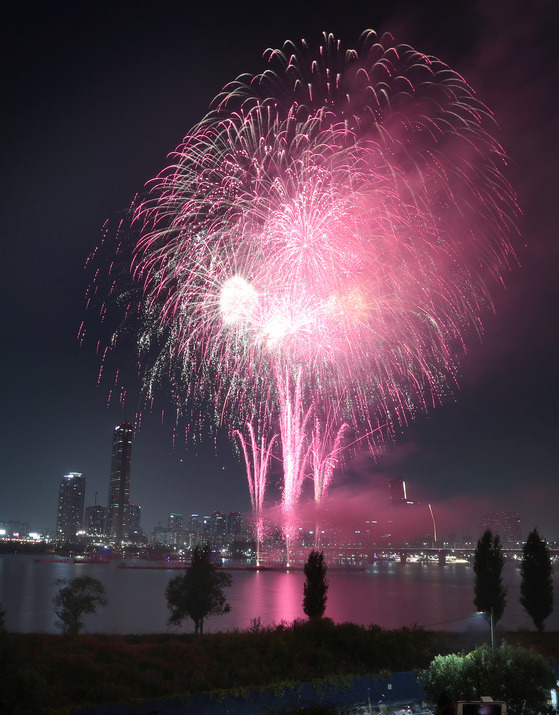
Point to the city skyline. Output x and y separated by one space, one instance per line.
122 522
88 126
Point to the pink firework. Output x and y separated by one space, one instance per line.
257 456
328 234
326 447
294 418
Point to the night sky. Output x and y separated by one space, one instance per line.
96 94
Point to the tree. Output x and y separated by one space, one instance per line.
519 676
536 587
490 594
198 593
316 585
80 595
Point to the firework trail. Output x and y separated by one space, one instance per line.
323 457
293 421
326 447
257 457
327 234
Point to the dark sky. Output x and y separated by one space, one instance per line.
94 96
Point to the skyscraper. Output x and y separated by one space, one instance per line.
218 528
194 530
70 506
119 484
176 528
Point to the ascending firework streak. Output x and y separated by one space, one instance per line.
294 418
256 462
326 235
326 447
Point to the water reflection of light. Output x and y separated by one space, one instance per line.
270 596
289 596
389 594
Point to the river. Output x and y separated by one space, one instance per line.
389 594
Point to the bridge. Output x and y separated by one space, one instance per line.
425 554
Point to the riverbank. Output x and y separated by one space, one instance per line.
55 674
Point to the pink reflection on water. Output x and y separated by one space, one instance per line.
391 595
270 596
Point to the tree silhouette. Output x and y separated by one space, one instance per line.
80 595
536 587
316 585
198 593
490 594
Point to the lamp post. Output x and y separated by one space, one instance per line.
491 624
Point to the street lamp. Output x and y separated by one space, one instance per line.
491 624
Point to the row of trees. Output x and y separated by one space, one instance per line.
196 594
199 592
536 588
520 677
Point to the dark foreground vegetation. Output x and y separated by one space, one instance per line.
53 674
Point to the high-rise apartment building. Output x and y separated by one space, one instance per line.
504 523
95 519
218 528
511 527
235 524
70 506
490 520
118 513
194 530
175 525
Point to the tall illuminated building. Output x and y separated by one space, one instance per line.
118 513
194 530
70 506
176 528
95 520
218 528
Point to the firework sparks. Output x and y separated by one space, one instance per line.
257 457
326 447
326 235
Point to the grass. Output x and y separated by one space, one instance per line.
53 673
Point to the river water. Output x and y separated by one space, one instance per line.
389 594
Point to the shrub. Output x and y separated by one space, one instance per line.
517 675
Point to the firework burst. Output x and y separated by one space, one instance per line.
327 234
